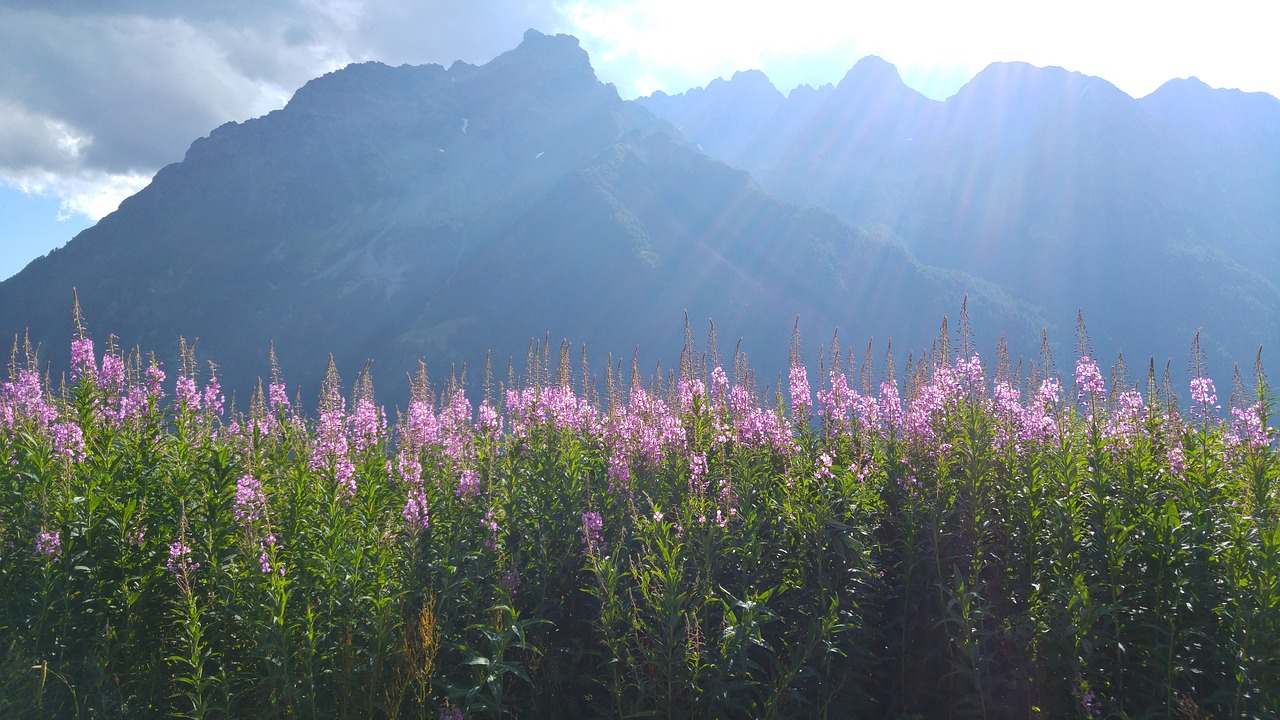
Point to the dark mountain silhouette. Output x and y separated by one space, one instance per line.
1156 216
418 212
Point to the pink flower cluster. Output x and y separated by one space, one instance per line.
330 451
22 400
1089 382
1020 426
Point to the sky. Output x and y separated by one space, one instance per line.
95 96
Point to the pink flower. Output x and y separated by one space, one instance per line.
1206 398
49 543
278 397
213 396
1089 381
23 399
592 525
180 558
416 511
82 360
187 394
799 387
68 441
1247 428
249 499
368 425
331 447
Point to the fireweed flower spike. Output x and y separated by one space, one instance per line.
180 559
331 446
68 441
592 525
23 400
49 543
83 364
1205 397
799 386
1089 383
249 499
1247 429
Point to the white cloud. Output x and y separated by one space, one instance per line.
92 195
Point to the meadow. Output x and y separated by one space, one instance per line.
950 537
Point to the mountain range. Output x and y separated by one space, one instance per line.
419 212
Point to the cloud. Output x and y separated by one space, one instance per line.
86 193
97 95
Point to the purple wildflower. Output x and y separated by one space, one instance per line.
489 421
799 386
179 562
112 376
890 407
972 374
416 509
83 365
719 387
592 525
911 486
619 474
278 397
1038 423
1089 702
1011 415
837 403
1205 397
1247 428
698 473
187 394
468 483
68 441
331 447
249 499
49 543
367 425
213 398
1089 381
1125 424
823 467
22 399
488 522
264 556
691 392
419 429
155 380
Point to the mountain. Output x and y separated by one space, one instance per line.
742 120
1156 216
427 213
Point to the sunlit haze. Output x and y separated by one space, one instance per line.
88 115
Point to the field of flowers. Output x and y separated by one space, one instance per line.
951 538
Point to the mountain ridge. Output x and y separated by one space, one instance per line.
1063 191
429 213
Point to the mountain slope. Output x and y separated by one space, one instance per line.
419 212
1156 216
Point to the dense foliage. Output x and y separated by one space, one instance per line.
949 539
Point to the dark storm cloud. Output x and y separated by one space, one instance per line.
124 87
